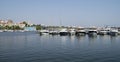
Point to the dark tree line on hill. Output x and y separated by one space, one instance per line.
10 27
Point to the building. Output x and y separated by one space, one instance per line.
30 28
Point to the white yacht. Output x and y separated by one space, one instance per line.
92 32
64 32
113 32
1 30
81 32
53 32
71 31
44 32
104 31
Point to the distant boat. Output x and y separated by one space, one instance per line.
113 32
1 30
64 32
104 31
118 32
71 31
92 32
44 32
9 30
18 30
53 32
22 31
80 32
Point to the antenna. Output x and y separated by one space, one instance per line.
60 21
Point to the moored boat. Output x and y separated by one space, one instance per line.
80 32
1 30
92 32
113 32
103 32
44 32
64 32
71 32
53 32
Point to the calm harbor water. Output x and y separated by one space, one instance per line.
31 47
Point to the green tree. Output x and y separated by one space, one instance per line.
26 24
6 27
38 27
17 28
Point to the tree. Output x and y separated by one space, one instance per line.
24 22
38 27
6 27
1 27
17 28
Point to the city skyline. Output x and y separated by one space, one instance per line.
62 12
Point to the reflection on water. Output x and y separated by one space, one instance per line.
103 37
113 39
63 40
80 38
72 38
92 38
27 47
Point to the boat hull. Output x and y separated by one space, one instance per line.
63 33
80 33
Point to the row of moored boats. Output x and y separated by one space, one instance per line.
81 32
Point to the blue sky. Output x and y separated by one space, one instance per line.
70 12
